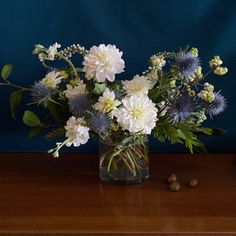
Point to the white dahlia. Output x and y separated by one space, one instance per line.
107 102
52 79
103 62
76 132
74 91
137 114
138 85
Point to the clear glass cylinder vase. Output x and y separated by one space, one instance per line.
124 161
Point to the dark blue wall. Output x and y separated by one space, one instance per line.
139 28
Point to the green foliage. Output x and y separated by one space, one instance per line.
218 131
182 133
55 133
35 131
14 101
166 132
54 110
162 87
6 71
31 119
99 88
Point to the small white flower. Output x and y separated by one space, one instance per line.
38 48
42 56
52 79
52 51
137 114
103 62
138 85
107 102
76 90
76 132
158 61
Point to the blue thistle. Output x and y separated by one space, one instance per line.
79 105
41 94
217 106
181 108
186 62
119 94
99 122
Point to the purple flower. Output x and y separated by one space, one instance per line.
217 106
41 94
186 62
99 122
181 108
79 105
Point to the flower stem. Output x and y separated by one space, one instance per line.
70 64
15 86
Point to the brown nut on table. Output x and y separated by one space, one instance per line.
174 186
193 183
172 178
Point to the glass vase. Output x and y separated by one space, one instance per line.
124 161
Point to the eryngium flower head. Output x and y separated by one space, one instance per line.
119 94
100 122
79 105
181 108
187 63
41 94
217 106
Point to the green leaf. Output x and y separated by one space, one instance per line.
54 111
218 131
55 133
31 119
15 99
6 71
99 88
126 140
35 131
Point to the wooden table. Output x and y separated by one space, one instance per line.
40 195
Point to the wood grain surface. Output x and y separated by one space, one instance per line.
40 195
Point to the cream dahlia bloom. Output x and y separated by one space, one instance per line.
103 62
107 102
138 85
52 79
137 114
74 91
76 132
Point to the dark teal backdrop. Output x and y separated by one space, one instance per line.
139 28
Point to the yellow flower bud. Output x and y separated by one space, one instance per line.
198 72
173 83
194 51
64 74
73 83
158 61
220 70
210 97
191 93
215 62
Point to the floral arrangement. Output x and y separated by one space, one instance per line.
171 100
